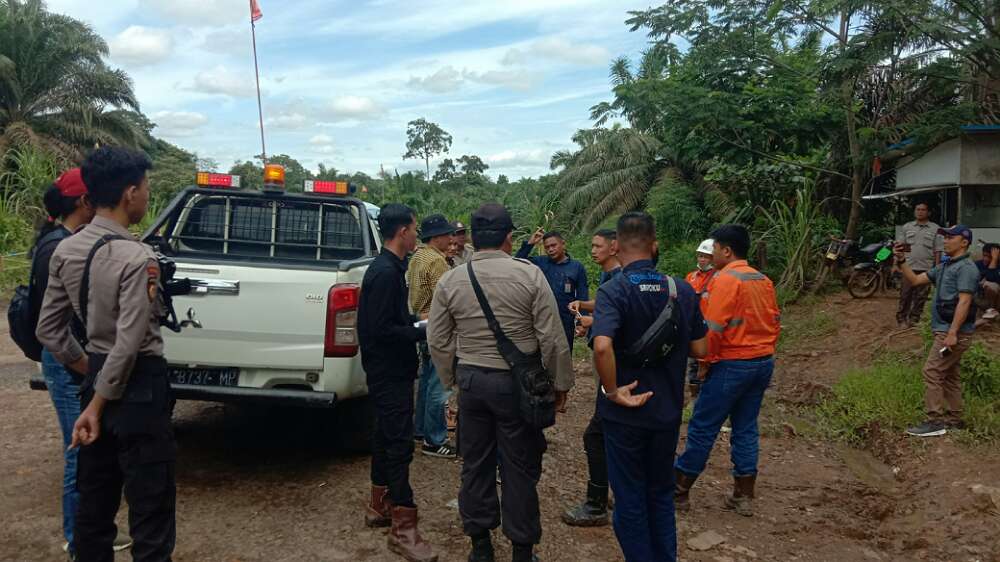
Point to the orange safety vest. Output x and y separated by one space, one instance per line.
701 282
742 315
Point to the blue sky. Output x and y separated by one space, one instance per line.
511 80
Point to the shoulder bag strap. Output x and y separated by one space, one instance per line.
84 297
507 349
663 318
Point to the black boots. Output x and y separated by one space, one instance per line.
742 499
482 549
523 553
591 513
682 486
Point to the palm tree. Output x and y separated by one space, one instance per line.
612 171
56 92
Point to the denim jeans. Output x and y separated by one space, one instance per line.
430 422
734 390
639 472
65 394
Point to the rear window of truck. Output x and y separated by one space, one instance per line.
231 225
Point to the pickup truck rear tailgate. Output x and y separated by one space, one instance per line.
251 317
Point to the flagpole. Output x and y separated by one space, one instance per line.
256 71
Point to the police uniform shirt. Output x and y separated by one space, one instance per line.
924 242
626 306
124 303
519 295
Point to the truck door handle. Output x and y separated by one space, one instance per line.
214 286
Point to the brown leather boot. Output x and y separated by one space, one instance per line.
377 513
404 538
742 499
682 486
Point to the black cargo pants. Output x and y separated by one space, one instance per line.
489 418
593 446
135 452
392 450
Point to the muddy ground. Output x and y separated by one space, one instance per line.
263 485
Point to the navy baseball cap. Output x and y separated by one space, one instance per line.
957 230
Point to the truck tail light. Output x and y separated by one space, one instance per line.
341 321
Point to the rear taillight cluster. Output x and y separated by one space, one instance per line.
341 321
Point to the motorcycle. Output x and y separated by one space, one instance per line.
839 258
876 273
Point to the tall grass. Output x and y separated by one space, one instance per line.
790 232
25 173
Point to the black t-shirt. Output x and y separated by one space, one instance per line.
626 306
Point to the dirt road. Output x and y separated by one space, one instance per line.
262 485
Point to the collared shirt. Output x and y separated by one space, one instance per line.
523 305
924 241
427 265
386 333
567 280
742 315
957 275
626 306
124 303
464 255
701 282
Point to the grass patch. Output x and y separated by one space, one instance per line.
799 329
890 393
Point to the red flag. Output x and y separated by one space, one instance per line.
255 13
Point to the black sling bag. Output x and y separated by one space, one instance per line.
535 392
659 338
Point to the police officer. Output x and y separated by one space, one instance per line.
488 411
641 406
112 282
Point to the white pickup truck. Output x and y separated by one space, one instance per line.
275 276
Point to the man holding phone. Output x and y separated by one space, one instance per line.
952 322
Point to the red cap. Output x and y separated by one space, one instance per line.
70 183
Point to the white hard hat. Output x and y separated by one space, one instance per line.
706 246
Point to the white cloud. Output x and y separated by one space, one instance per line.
558 49
203 12
139 46
361 108
519 158
288 120
223 81
446 79
178 123
320 140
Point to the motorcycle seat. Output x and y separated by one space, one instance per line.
872 248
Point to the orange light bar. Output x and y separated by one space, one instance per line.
328 187
208 179
274 175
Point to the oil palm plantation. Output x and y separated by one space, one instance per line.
56 91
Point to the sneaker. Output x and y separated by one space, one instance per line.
444 451
990 314
955 424
929 428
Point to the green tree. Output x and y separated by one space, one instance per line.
173 170
472 166
251 174
446 170
56 91
503 180
426 140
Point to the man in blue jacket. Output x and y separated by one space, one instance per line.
566 276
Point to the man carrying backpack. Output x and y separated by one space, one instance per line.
646 324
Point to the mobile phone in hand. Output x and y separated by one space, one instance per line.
944 351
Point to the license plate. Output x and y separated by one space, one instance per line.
831 255
229 376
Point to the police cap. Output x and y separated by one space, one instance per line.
492 216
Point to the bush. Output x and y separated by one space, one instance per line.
890 394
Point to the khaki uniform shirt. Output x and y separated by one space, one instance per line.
464 256
124 303
924 241
426 267
523 304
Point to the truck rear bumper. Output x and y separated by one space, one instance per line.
270 396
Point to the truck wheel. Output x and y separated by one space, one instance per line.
355 425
